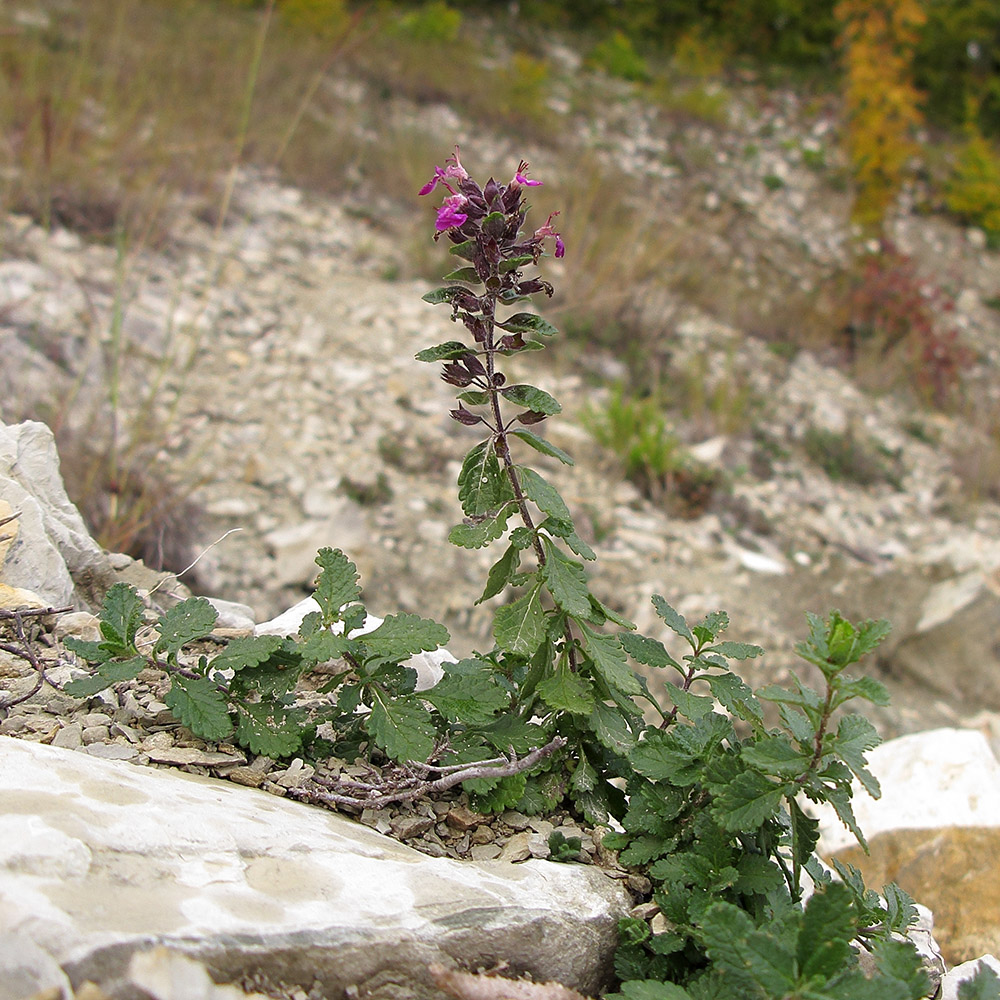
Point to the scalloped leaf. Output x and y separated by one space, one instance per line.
337 585
183 623
121 616
403 635
519 627
199 705
401 726
566 580
566 691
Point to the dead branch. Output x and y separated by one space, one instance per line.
468 986
404 786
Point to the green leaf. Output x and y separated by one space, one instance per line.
494 224
108 672
495 796
247 651
757 874
401 726
183 623
474 397
643 649
443 352
337 585
510 732
611 729
608 658
440 295
532 398
735 696
861 687
824 943
513 263
673 619
901 961
92 652
468 693
541 445
566 580
519 627
985 985
691 706
121 616
467 249
199 705
482 532
325 645
761 963
400 636
566 691
467 274
601 610
542 494
900 910
482 486
501 573
565 530
266 729
776 755
649 989
528 323
736 650
749 801
855 737
840 799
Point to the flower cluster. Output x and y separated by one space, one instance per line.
467 206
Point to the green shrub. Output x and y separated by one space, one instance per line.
616 56
973 193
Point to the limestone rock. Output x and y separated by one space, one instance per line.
954 979
100 861
53 555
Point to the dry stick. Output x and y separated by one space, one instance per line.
27 651
467 986
513 766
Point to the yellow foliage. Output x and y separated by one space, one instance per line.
325 18
974 191
878 38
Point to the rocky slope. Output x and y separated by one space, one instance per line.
266 379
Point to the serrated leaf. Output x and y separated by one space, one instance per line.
501 573
183 623
247 651
736 650
481 533
337 585
757 874
531 397
649 989
861 687
824 942
566 691
519 627
401 726
265 729
468 693
985 985
646 650
776 755
496 796
121 616
691 706
326 645
806 832
900 909
108 672
443 352
92 652
545 496
611 729
855 737
610 662
528 323
735 696
749 801
440 295
541 445
762 964
566 580
403 635
674 620
567 532
199 705
482 486
840 799
510 732
901 961
603 611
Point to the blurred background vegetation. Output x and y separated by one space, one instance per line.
115 112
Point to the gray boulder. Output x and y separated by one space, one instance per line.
53 555
101 860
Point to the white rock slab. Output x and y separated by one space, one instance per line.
938 778
100 860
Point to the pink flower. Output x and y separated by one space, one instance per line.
521 177
453 168
450 213
547 230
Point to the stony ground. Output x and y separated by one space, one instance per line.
272 362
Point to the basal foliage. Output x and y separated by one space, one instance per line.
709 800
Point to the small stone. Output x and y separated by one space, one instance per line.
69 737
538 844
541 826
461 817
111 751
191 756
95 719
96 734
408 826
639 884
482 835
485 852
644 911
515 820
517 848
